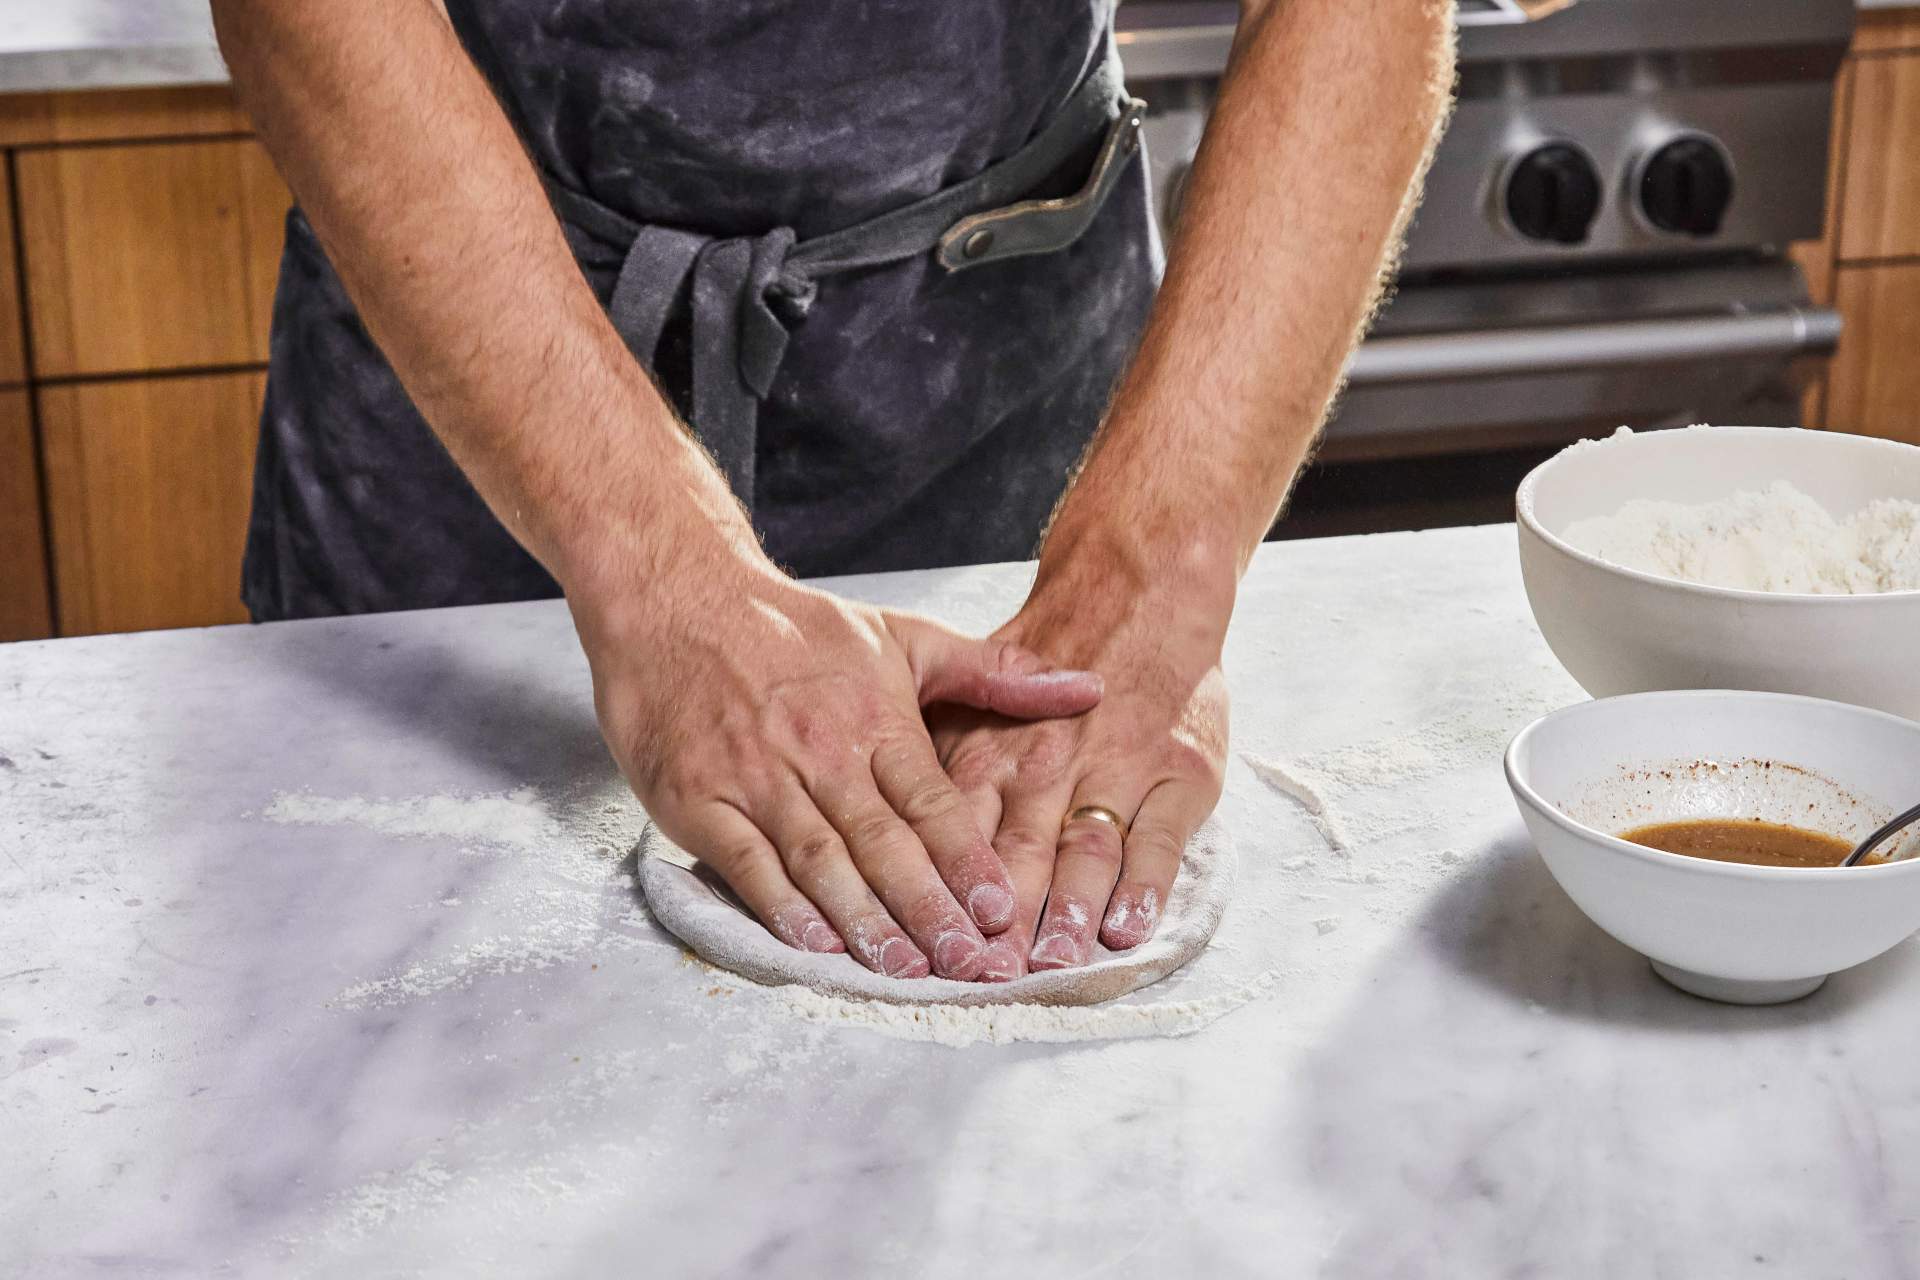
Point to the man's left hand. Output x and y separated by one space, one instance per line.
1152 754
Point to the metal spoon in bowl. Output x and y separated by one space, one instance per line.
1879 837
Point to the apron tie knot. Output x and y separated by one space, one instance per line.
774 295
746 290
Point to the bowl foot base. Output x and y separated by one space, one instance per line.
1738 990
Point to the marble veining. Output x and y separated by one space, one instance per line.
267 1008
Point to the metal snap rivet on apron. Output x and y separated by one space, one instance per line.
977 243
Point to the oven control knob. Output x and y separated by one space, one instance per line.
1553 193
1686 187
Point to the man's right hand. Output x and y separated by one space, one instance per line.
776 732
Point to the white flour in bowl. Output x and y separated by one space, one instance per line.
1778 539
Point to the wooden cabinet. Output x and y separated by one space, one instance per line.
1868 267
149 256
147 484
148 243
114 115
26 613
1880 193
1874 385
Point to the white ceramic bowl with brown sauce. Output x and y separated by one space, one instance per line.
1725 930
1620 630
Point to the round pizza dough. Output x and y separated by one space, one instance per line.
693 903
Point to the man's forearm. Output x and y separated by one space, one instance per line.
438 224
1311 163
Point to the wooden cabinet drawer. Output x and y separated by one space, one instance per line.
149 256
148 484
25 612
112 115
1880 200
1873 385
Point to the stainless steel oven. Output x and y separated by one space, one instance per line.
1603 237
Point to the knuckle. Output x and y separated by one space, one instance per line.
812 854
811 731
931 913
877 834
928 800
1188 759
733 861
812 728
1006 656
1102 846
1021 845
1156 843
976 763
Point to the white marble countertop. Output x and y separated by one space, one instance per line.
319 956
103 44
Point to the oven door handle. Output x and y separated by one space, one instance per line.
1492 353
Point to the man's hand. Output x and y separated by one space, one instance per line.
1153 753
1310 166
776 731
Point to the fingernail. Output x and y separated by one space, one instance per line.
1123 927
1001 963
818 937
1056 951
898 959
955 954
1131 921
990 904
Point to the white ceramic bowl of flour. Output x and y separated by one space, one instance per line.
1622 630
1727 931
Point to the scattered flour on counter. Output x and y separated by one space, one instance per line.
557 937
1777 539
960 1025
1293 782
557 882
514 819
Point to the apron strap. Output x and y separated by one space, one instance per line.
747 290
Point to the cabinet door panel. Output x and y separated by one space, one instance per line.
1880 202
24 608
1873 385
150 256
148 484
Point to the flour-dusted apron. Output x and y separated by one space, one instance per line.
888 258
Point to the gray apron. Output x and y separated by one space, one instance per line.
887 258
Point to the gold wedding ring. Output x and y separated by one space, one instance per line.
1097 813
